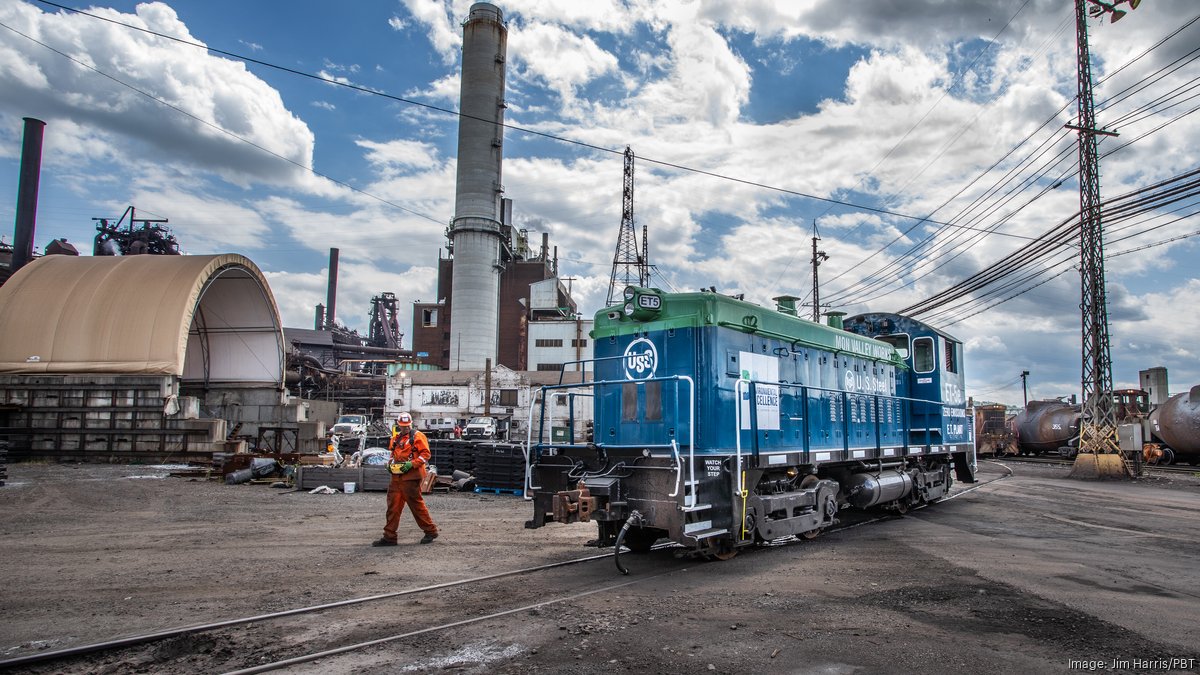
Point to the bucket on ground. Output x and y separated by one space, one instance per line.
348 487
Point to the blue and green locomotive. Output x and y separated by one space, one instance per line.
719 424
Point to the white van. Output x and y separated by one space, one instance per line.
437 427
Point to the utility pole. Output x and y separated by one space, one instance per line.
630 266
1024 390
1098 423
817 258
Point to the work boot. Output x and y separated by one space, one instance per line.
428 538
383 542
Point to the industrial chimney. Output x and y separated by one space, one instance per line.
27 194
476 232
331 289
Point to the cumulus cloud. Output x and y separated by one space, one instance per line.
566 61
228 109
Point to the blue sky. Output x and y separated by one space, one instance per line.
912 108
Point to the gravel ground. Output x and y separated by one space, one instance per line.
1022 575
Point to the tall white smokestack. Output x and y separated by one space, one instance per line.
475 231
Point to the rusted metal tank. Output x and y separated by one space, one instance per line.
1045 426
1177 423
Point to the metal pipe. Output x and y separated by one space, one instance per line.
27 193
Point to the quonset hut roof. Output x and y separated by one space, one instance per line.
208 318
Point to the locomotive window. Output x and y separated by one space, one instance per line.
654 406
923 355
899 342
951 352
629 395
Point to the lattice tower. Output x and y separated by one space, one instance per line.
1098 426
630 266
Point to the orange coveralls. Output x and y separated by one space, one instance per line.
405 488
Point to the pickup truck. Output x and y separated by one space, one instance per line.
350 425
480 427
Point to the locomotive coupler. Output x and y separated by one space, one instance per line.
573 506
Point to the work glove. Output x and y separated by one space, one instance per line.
406 467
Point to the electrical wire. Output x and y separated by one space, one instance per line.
858 292
219 128
504 125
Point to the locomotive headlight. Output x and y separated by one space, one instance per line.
629 309
629 293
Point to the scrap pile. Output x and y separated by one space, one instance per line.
359 464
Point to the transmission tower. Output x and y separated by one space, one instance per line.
1098 426
630 266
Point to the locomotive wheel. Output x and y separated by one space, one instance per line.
812 534
724 554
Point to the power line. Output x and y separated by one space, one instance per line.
219 128
896 269
1125 206
505 125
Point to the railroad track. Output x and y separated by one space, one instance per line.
439 619
1062 461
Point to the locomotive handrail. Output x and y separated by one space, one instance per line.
678 470
908 403
585 362
737 435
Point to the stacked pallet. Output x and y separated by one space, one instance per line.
442 455
464 455
451 454
499 468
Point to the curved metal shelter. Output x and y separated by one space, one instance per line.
202 318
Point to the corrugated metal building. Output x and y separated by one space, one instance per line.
144 356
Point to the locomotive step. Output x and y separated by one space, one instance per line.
697 507
705 534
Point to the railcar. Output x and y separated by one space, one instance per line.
1176 423
994 435
1050 426
719 424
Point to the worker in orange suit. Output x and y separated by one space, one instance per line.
410 454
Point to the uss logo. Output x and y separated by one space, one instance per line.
641 360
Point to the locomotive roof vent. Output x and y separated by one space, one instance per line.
786 304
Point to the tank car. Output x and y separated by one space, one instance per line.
1176 422
1048 426
993 436
720 424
